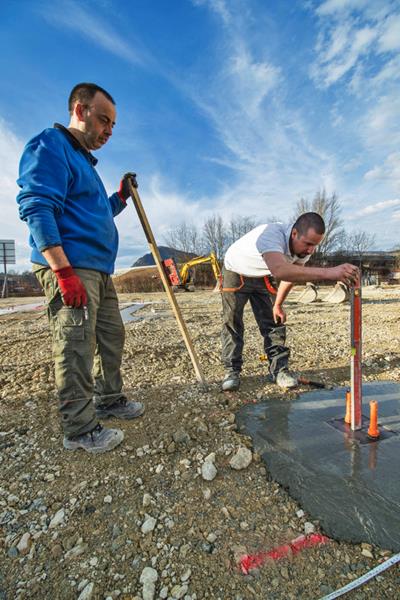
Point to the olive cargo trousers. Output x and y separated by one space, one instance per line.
236 290
87 348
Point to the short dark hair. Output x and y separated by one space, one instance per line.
310 220
84 93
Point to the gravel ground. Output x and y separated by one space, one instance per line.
142 522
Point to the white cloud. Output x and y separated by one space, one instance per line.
339 51
266 145
218 6
389 74
352 33
390 37
381 123
73 16
11 227
330 7
389 170
378 207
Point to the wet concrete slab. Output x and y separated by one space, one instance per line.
348 482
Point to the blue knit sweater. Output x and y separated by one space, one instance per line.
64 202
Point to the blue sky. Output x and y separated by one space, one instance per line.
231 107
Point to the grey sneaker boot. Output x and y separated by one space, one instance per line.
231 382
121 409
96 441
286 380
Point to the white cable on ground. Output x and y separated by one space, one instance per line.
364 578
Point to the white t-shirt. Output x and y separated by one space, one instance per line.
245 255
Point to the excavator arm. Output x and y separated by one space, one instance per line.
198 260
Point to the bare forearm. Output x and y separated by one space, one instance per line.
56 258
286 271
283 291
296 273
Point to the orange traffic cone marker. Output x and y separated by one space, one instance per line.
373 431
347 418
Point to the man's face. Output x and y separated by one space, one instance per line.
97 120
304 245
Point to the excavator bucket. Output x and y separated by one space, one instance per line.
338 295
308 295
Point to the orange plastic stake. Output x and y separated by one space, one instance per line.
373 431
347 418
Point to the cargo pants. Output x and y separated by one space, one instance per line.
87 348
236 290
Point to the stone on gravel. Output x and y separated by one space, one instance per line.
87 592
208 471
241 459
207 494
186 575
148 524
24 544
146 500
178 591
308 528
181 437
148 579
58 519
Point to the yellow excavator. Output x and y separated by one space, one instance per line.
181 279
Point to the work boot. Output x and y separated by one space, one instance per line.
286 380
100 439
120 409
231 381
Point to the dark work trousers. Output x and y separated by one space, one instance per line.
87 348
236 290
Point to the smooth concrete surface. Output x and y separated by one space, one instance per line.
350 486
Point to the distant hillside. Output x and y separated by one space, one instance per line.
178 256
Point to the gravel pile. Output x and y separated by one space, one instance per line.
169 513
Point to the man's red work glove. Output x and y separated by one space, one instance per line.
123 191
71 287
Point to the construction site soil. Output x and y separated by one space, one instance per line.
141 522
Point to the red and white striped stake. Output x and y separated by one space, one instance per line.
355 364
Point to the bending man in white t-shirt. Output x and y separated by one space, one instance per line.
282 251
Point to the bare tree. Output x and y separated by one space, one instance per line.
239 226
215 236
329 209
184 237
358 242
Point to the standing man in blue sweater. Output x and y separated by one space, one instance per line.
74 245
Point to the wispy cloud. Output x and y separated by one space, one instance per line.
351 32
381 122
389 170
378 207
390 35
267 145
339 49
331 7
72 15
